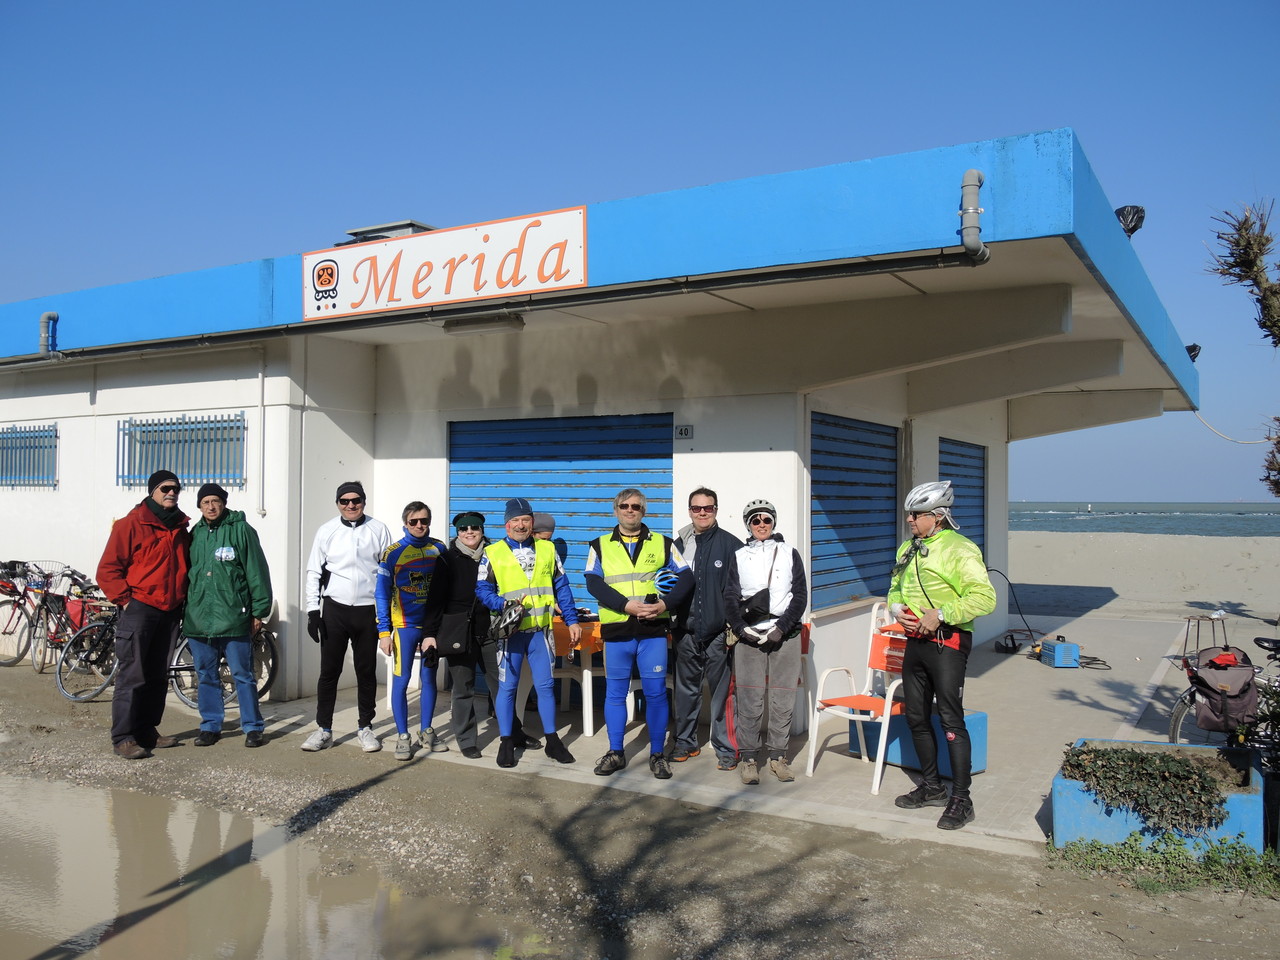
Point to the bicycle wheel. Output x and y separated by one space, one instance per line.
182 675
264 661
87 663
1182 725
15 631
40 626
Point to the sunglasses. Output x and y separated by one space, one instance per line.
710 508
468 528
417 522
630 506
351 501
170 488
760 519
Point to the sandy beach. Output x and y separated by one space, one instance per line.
1147 577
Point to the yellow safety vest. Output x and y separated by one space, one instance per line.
635 581
537 594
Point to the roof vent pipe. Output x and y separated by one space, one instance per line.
48 334
970 231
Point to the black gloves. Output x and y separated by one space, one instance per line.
315 626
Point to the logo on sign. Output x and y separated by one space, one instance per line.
324 283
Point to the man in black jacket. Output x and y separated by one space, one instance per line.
700 648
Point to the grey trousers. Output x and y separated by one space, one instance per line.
756 674
697 660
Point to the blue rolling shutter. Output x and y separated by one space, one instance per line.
965 465
854 514
569 467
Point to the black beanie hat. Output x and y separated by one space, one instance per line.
159 477
211 490
351 486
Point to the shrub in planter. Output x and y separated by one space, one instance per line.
1108 789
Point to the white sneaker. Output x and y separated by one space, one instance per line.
320 740
368 742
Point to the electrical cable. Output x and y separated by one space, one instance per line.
1032 634
1224 436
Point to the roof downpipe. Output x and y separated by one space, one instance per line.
48 334
970 229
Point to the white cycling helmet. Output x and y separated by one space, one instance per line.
934 497
758 506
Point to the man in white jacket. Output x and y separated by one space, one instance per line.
764 600
343 569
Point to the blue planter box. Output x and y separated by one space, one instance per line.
1078 814
901 750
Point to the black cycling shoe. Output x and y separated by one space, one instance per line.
611 763
506 753
923 796
206 738
959 812
525 742
556 750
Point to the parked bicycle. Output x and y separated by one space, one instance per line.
87 665
15 618
53 596
1262 734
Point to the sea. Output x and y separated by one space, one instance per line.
1191 519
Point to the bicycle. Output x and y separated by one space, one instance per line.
15 619
1262 734
54 597
87 665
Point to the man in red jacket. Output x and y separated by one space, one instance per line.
143 571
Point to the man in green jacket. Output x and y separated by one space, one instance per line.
228 597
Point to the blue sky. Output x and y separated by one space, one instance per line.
145 138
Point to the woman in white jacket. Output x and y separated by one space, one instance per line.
764 599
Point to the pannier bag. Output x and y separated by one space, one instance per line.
1226 697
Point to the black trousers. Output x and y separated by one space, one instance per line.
462 675
357 626
145 637
931 672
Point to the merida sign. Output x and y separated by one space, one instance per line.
504 258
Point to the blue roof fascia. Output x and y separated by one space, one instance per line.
1100 243
244 296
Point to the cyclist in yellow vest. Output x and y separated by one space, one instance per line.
518 569
635 575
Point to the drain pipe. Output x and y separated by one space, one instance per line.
970 231
48 334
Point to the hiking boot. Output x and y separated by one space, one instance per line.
660 766
506 753
368 742
959 812
428 740
320 740
206 738
726 763
747 770
131 750
556 750
254 738
681 754
163 743
404 747
923 796
780 769
611 763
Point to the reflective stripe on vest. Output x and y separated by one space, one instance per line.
635 581
537 595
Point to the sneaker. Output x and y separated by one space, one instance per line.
660 766
404 747
781 770
726 763
681 754
206 738
368 742
131 750
254 738
428 740
923 796
959 812
320 740
750 775
611 763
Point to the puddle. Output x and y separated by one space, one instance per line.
115 874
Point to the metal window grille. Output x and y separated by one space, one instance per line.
198 449
29 456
